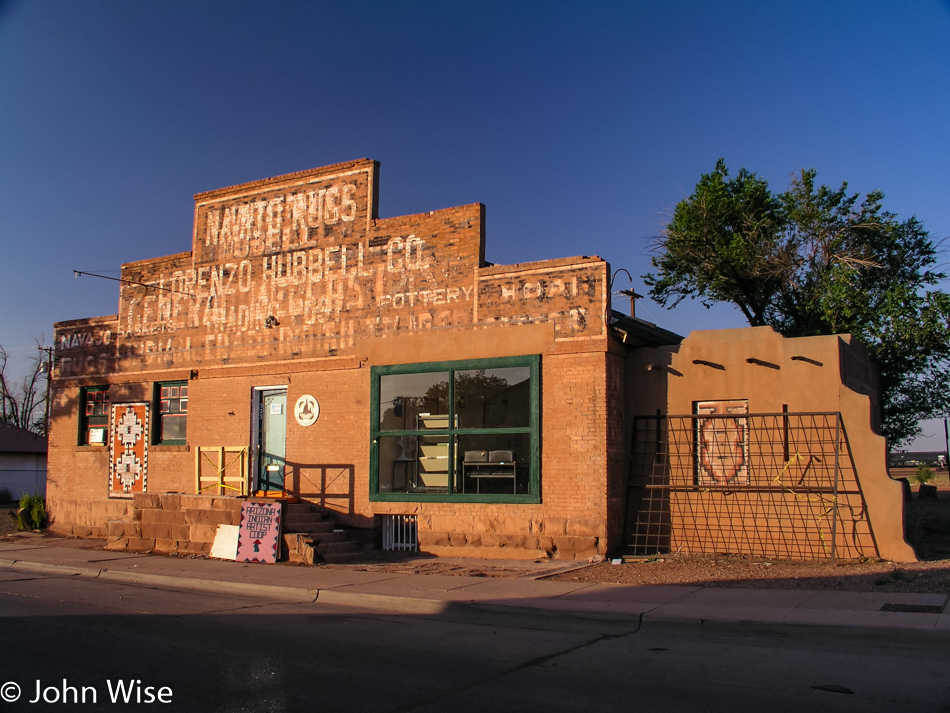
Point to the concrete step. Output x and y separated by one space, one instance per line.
340 557
320 538
304 549
311 535
302 509
336 548
310 522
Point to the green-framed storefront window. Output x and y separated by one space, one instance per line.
466 431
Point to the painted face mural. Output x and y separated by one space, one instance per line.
722 443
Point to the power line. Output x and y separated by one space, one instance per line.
78 273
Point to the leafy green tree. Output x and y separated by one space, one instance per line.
470 387
818 260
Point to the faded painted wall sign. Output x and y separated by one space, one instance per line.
305 290
86 346
128 450
262 220
300 266
259 533
571 296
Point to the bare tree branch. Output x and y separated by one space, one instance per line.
22 397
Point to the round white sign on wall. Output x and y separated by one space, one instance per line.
306 410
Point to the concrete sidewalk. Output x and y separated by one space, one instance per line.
915 618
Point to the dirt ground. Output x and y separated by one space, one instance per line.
7 523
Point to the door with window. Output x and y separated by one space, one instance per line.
271 438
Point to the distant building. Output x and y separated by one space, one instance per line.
22 461
912 459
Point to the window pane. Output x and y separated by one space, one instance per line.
184 406
434 458
405 398
493 398
397 464
95 412
493 463
173 428
183 392
413 464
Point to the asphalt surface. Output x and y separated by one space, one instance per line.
75 640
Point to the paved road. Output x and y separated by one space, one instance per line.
233 653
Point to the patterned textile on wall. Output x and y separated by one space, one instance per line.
128 450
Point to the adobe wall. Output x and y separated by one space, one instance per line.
296 282
812 374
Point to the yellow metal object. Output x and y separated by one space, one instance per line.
230 477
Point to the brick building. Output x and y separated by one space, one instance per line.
380 369
374 366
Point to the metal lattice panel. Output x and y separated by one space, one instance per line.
773 485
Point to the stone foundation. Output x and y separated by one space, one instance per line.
514 546
172 523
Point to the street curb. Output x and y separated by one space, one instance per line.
46 568
411 605
333 597
251 589
647 622
268 591
407 605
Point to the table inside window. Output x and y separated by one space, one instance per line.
482 470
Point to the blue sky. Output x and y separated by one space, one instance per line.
579 125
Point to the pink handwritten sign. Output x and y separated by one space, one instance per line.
259 533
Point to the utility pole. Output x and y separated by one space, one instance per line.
946 440
48 370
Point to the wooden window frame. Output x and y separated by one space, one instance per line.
160 410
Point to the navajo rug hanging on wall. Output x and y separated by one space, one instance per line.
128 450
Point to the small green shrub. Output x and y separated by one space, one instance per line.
923 474
6 497
32 513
